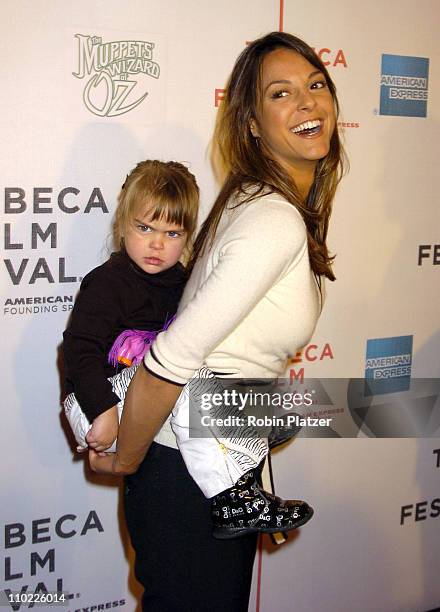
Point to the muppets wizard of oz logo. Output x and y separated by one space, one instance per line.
115 69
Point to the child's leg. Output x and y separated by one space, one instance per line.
214 461
78 420
226 468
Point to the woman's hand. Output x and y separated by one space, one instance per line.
106 463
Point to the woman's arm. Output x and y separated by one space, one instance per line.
148 403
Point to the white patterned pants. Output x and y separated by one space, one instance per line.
214 456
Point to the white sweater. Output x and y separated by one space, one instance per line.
251 302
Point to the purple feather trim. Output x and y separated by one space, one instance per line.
131 345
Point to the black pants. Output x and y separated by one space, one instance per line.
181 566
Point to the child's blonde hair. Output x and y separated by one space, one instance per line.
166 190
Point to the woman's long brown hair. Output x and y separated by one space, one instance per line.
248 172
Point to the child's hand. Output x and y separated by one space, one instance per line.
104 430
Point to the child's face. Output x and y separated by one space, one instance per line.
154 245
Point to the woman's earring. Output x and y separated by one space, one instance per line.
254 130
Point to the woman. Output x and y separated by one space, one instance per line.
252 300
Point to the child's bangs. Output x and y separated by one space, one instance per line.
168 211
164 198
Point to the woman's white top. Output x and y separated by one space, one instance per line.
251 302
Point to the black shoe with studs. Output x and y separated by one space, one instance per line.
247 508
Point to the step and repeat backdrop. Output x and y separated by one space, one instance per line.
89 89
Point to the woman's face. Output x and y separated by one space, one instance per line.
296 115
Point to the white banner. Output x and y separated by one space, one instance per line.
88 90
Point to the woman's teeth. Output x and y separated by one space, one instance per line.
307 125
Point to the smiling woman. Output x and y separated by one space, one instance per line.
252 301
295 117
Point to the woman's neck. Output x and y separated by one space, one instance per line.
304 183
303 177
